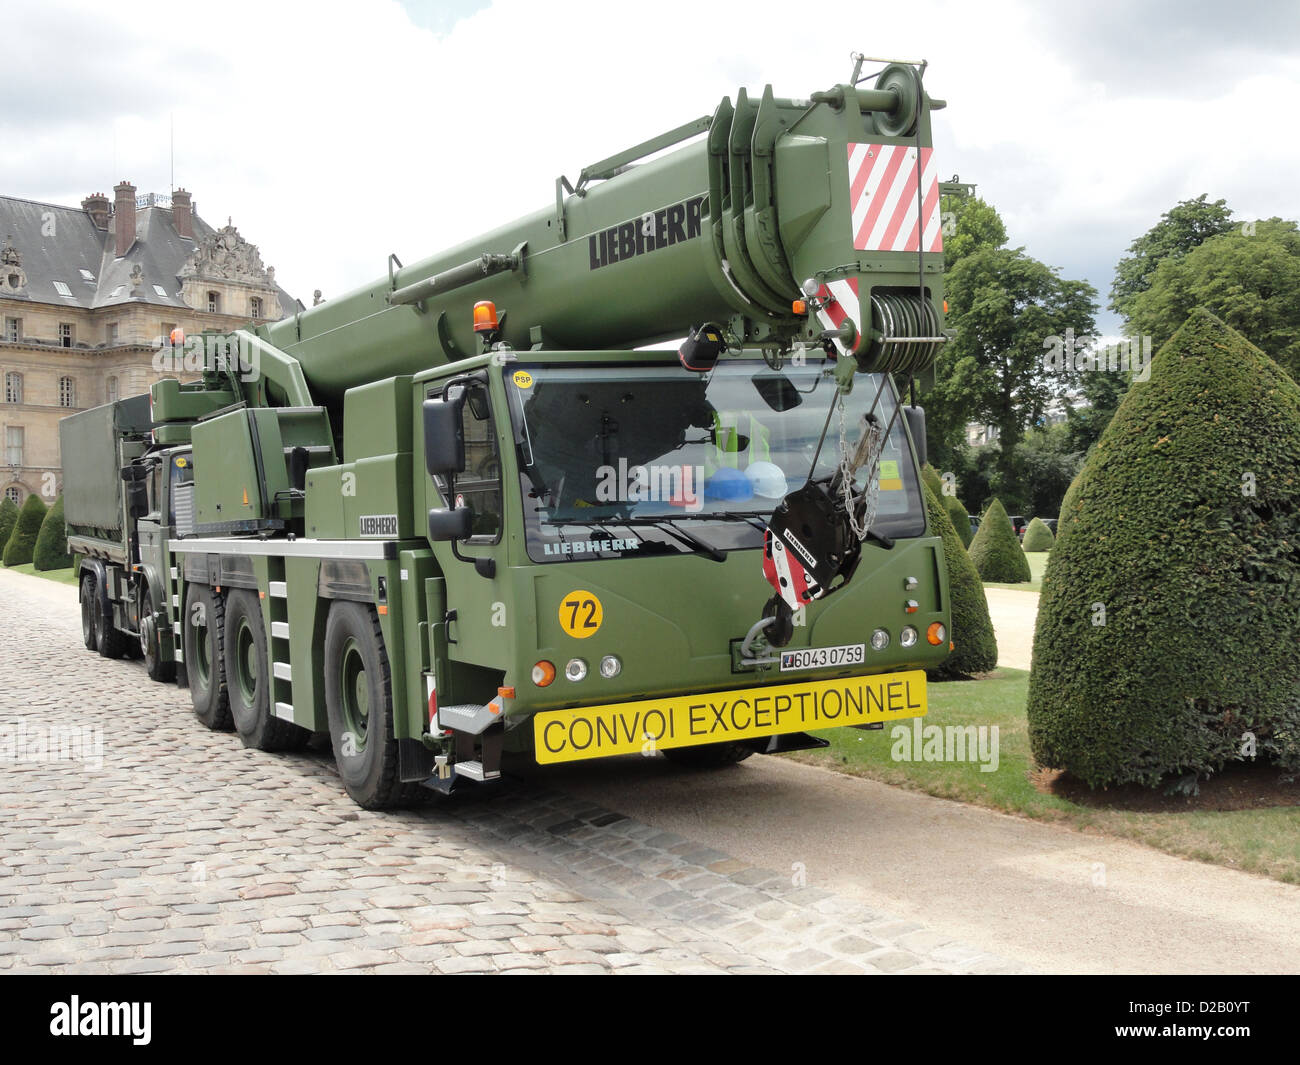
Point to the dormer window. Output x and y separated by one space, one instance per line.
255 306
214 302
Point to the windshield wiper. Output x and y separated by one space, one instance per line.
698 546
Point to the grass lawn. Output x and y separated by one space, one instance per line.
1247 818
63 576
1037 564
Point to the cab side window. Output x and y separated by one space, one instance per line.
480 484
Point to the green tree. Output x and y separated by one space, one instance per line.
1167 628
1249 279
51 551
8 518
1004 306
1186 225
975 647
22 541
969 224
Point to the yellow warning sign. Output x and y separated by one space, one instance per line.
580 614
523 379
717 717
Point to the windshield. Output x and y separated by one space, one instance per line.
651 459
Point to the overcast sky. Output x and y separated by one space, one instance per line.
335 133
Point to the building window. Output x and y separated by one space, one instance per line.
110 386
14 445
214 302
67 392
61 287
65 334
14 494
13 329
255 306
13 388
110 332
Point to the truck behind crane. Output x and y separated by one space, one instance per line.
464 510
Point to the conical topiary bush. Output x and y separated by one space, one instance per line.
960 518
996 550
22 541
932 480
8 519
975 647
1168 627
51 550
1038 537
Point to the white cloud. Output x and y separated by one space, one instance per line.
335 133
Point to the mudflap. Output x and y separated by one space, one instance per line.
789 741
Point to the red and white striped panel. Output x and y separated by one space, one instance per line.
882 193
839 300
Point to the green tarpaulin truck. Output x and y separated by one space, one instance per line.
472 508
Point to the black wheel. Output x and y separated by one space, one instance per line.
248 678
359 702
88 610
108 641
151 640
203 637
709 755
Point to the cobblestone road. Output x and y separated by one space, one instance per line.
174 849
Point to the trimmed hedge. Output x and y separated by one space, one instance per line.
1038 537
1170 614
932 480
8 519
996 549
51 550
22 541
960 518
976 648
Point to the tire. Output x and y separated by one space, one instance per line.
249 680
203 639
359 703
88 610
108 641
151 641
708 755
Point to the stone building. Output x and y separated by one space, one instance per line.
86 296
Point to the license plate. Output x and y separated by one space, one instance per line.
648 725
848 654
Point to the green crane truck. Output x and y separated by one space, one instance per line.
472 508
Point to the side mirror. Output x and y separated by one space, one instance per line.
133 473
450 524
444 438
777 391
916 426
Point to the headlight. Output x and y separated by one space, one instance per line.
908 637
576 669
610 666
936 633
879 639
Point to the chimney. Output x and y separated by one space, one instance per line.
182 214
97 207
124 216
